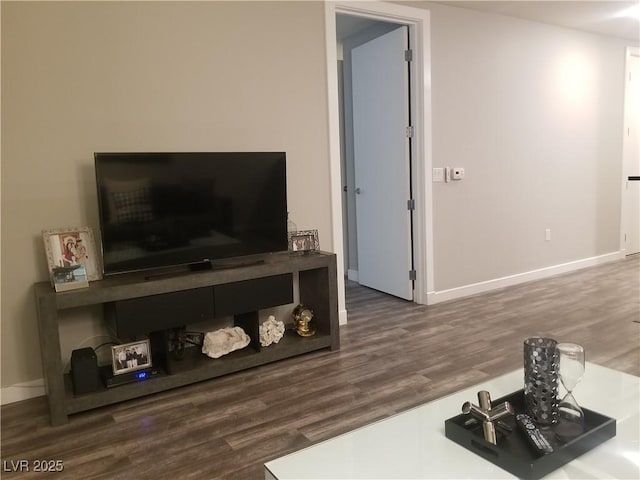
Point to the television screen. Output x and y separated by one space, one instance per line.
168 209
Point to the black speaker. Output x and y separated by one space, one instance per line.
84 371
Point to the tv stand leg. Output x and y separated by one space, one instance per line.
52 367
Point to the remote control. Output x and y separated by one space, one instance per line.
533 433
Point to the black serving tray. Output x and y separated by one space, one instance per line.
513 452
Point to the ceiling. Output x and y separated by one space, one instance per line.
613 18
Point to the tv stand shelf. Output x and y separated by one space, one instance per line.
317 284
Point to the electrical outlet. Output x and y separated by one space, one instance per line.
438 174
547 234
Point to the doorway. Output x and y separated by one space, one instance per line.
376 153
417 22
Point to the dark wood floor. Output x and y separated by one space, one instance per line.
394 355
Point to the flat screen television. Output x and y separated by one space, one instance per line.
162 210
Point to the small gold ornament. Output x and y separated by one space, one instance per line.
302 317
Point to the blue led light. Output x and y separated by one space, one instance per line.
141 375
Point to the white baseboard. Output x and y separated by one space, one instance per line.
342 317
22 391
481 287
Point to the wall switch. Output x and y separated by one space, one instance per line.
438 174
457 173
547 234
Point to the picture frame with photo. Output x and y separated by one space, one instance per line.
72 257
304 241
129 357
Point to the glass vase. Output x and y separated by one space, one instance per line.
541 380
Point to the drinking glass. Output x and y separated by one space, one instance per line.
571 369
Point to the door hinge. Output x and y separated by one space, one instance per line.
412 274
408 55
411 204
408 131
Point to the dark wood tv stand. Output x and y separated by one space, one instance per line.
317 286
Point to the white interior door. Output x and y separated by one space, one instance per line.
380 95
631 171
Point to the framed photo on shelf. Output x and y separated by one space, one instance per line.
304 241
129 357
72 257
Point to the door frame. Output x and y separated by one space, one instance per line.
624 207
418 21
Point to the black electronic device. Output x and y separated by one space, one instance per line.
533 434
111 380
84 371
162 210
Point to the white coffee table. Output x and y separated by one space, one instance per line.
412 444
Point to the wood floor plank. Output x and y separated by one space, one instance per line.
394 355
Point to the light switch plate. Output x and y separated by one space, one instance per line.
438 174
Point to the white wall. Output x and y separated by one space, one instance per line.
81 77
534 114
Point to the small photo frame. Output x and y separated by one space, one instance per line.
304 241
129 357
71 250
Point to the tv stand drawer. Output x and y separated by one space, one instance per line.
251 295
160 312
